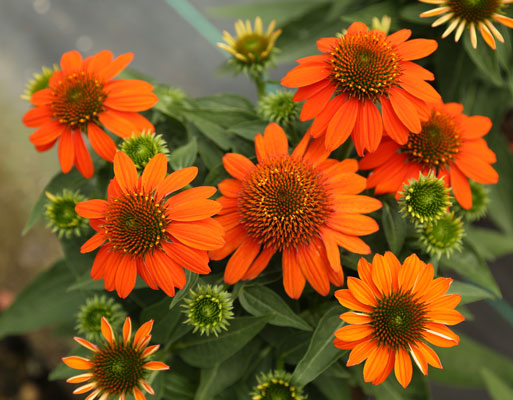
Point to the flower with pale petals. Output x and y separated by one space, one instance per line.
302 206
118 367
81 98
398 310
140 230
364 83
473 15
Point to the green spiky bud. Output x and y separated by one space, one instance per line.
91 313
276 385
170 95
424 199
38 82
141 148
279 107
480 202
441 237
209 309
61 215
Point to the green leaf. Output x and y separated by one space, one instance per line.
42 302
165 320
248 129
411 13
485 59
211 130
192 280
260 300
62 371
463 363
469 293
394 226
178 387
184 156
334 386
497 388
490 244
471 266
321 353
71 181
207 351
214 380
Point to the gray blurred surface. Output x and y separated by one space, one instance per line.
36 32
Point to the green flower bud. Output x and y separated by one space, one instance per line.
208 309
480 202
61 215
141 148
39 82
91 313
279 107
441 237
276 385
424 199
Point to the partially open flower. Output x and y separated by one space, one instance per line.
277 385
473 15
398 311
39 81
208 309
251 47
119 366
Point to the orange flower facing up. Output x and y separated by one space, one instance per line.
81 98
450 144
398 309
302 205
356 73
140 232
118 367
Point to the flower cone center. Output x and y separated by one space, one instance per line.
77 99
252 45
118 368
364 65
135 223
398 320
64 214
284 203
474 10
438 142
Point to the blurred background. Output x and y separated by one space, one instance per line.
168 48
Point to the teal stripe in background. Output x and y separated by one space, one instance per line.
204 27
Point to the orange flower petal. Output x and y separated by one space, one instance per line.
306 74
76 362
233 239
275 141
409 272
429 354
154 173
361 352
352 243
117 123
191 259
87 344
353 224
83 160
71 61
352 317
330 243
130 101
125 172
361 291
316 103
444 316
368 129
101 142
237 165
419 359
351 333
126 276
42 97
416 48
461 188
342 123
404 110
476 169
66 151
156 366
346 298
92 208
259 264
376 363
305 92
293 279
127 330
107 331
313 268
176 181
48 133
384 152
381 275
403 369
93 243
116 66
85 388
79 378
142 332
138 395
206 234
37 116
241 260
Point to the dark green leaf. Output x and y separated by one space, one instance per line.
248 129
463 363
43 302
178 387
211 130
184 156
321 352
490 244
498 389
394 226
469 293
485 59
260 300
207 351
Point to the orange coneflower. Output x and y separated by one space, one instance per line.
119 366
302 205
359 72
140 232
461 14
450 144
397 309
81 98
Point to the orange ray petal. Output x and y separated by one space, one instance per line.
405 110
131 101
191 259
384 152
293 279
353 224
101 142
93 243
315 104
66 151
92 208
361 352
409 272
351 333
429 354
241 260
259 264
107 331
126 276
305 92
342 123
306 74
381 275
275 141
83 160
47 133
460 188
346 298
76 362
176 181
37 116
476 169
352 317
376 363
142 332
125 172
156 366
416 48
116 66
79 378
237 165
87 344
403 369
71 62
127 329
361 291
154 173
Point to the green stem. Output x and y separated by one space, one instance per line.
259 81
